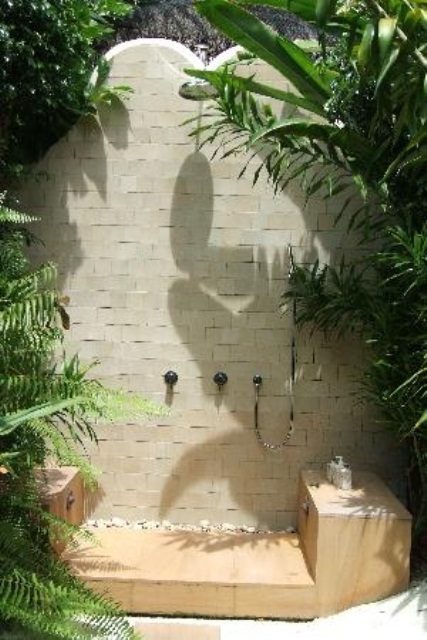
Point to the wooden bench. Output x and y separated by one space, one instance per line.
356 542
352 547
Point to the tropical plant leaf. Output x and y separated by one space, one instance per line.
366 45
249 84
9 423
323 11
386 30
243 28
387 65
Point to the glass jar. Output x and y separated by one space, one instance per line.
343 477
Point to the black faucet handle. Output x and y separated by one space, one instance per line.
171 378
220 378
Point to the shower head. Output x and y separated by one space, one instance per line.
197 89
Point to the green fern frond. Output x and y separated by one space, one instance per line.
61 450
39 598
27 284
11 216
35 310
55 610
37 593
115 405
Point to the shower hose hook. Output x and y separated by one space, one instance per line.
257 380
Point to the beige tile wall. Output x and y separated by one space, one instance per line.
172 262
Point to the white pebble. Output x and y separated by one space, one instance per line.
204 526
249 529
118 522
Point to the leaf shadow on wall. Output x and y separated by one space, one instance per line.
76 187
220 287
75 169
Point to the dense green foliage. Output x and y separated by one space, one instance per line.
46 408
48 54
39 599
357 115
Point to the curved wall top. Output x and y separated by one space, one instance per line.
178 47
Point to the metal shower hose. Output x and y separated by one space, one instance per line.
280 445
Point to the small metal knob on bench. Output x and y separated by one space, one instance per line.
305 506
70 500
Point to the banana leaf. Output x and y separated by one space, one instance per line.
253 35
248 84
326 133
